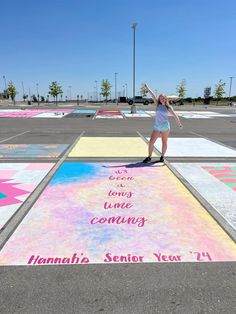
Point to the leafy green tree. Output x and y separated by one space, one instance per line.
55 90
11 91
181 89
105 89
219 90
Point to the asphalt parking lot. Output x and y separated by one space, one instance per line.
186 287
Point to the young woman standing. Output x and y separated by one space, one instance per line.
162 125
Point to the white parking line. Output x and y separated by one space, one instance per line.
9 138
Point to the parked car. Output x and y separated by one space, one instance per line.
139 100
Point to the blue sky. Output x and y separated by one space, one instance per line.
78 42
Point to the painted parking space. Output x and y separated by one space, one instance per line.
151 113
85 111
138 114
108 114
194 147
20 113
17 182
110 147
216 182
10 110
82 113
116 213
34 113
201 114
32 150
51 114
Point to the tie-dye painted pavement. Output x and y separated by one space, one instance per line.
116 213
32 150
44 113
20 113
17 181
216 182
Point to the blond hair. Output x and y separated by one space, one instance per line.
166 101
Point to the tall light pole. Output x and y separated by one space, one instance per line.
133 107
126 90
96 90
37 86
23 90
70 91
230 85
116 100
29 96
4 78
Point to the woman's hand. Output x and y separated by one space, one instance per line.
146 87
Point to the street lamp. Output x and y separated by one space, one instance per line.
133 107
231 78
29 102
23 90
70 91
4 78
126 90
96 90
116 100
37 86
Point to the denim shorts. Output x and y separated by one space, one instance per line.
162 127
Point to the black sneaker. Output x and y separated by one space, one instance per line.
162 159
146 160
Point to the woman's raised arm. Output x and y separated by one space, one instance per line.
154 97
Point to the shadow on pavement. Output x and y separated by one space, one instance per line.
138 165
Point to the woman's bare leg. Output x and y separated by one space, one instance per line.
164 137
154 136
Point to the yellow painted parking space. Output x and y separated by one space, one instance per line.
110 147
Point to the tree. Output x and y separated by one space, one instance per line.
11 91
55 90
181 89
219 90
105 89
25 97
